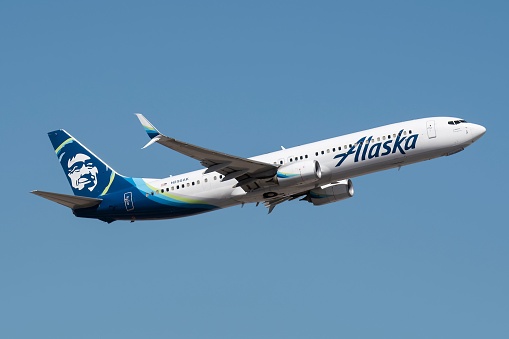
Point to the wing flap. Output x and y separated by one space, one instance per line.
71 201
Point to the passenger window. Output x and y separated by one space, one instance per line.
378 139
328 150
316 153
410 132
173 188
198 182
306 156
339 148
146 195
281 162
192 183
215 177
206 180
188 185
323 152
178 186
291 160
389 136
296 158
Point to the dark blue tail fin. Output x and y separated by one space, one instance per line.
88 175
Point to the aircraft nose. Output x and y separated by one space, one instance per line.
478 131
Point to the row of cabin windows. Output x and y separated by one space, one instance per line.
292 159
189 184
378 139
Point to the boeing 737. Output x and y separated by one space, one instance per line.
319 173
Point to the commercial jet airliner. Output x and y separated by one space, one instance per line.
319 173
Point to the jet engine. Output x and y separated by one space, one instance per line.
330 193
298 173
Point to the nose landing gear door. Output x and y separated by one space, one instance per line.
430 127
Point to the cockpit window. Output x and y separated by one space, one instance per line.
455 122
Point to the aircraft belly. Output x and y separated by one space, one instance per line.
136 205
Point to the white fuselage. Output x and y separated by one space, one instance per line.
339 158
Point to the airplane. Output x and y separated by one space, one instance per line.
319 173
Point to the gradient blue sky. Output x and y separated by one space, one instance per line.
419 253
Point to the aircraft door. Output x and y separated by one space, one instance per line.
430 127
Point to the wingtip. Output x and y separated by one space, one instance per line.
140 116
149 128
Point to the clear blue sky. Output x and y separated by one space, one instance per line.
419 253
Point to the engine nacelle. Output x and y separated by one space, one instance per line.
331 193
298 173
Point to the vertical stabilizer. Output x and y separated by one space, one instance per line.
87 174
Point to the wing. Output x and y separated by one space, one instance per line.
70 201
250 174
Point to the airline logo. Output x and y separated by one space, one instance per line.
364 148
84 171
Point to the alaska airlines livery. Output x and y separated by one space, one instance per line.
318 172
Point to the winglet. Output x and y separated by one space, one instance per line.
149 128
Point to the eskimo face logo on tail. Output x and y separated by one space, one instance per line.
82 172
83 169
365 149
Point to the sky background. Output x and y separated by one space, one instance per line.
417 253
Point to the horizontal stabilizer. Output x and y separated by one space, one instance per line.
70 201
